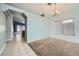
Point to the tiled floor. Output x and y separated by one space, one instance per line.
14 48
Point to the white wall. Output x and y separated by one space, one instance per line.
9 27
2 29
70 13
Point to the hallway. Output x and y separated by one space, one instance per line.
14 48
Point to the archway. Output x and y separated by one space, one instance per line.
9 23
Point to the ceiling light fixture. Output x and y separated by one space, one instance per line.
49 4
54 12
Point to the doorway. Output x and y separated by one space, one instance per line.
19 27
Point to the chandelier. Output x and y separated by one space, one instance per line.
54 12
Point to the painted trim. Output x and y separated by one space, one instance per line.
2 49
65 38
32 40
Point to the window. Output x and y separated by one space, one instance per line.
68 27
65 27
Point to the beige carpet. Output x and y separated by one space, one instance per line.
54 47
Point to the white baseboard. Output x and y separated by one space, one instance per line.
2 48
32 40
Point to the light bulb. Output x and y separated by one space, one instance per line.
55 13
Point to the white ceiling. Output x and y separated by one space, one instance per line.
40 8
